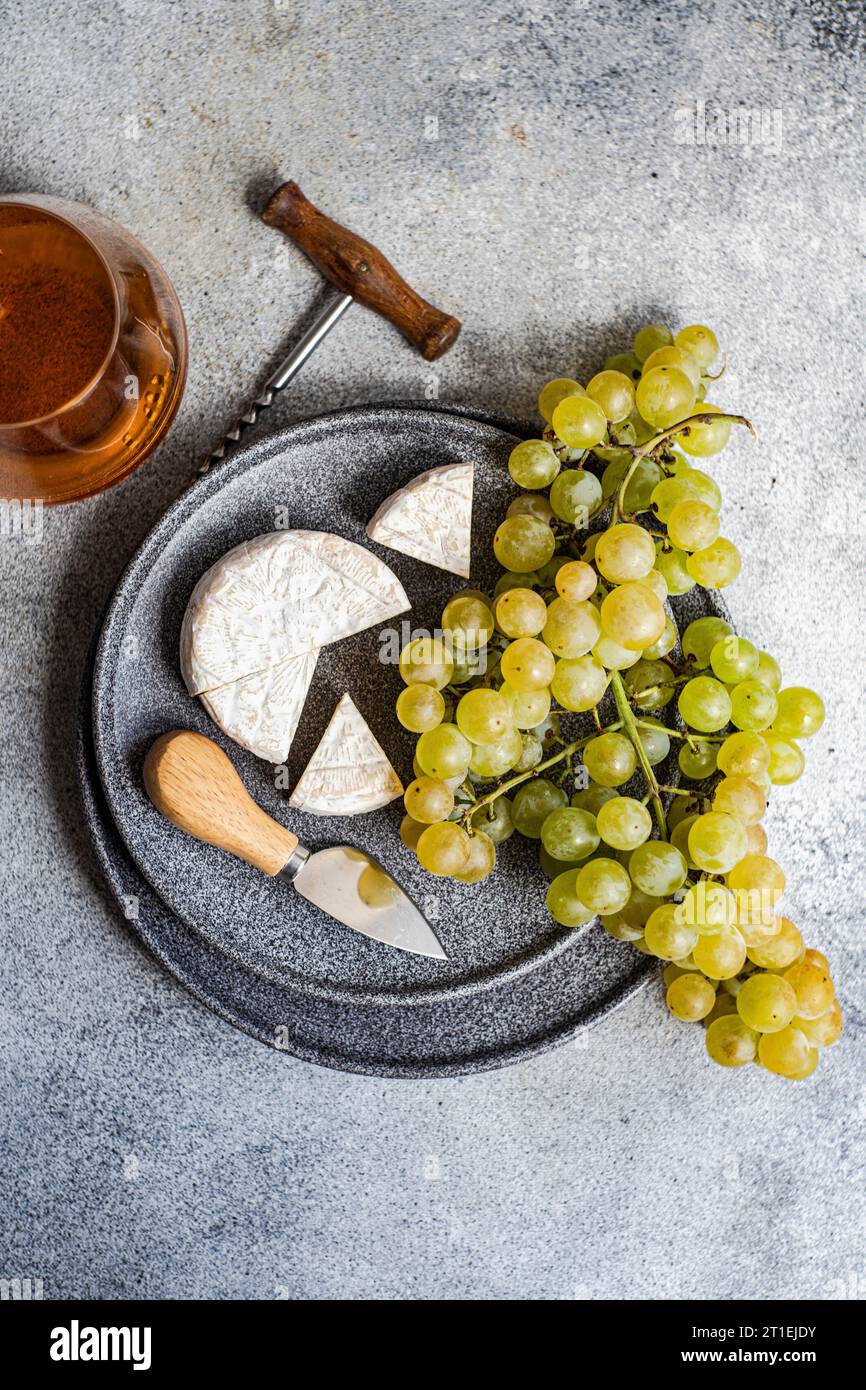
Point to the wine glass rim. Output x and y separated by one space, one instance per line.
44 203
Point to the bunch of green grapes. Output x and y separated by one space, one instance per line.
612 522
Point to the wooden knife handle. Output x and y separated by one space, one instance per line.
357 268
191 781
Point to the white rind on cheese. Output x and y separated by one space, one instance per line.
261 712
279 596
349 773
430 518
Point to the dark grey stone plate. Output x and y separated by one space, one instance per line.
248 945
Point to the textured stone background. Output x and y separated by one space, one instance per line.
525 167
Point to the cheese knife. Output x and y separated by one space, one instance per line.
192 782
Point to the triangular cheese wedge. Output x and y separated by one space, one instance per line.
430 518
349 773
261 712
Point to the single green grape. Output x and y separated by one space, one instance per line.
740 797
693 525
483 716
603 885
697 761
411 832
700 342
667 936
527 664
467 624
532 804
593 797
495 820
708 907
531 504
656 582
657 868
426 661
520 613
650 338
664 396
721 954
680 832
533 463
734 659
494 759
529 708
429 800
671 565
649 684
655 741
571 629
579 422
482 860
753 706
532 753
705 438
782 949
705 704
766 1002
570 834
610 759
564 903
786 760
690 997
623 823
614 392
443 752
554 392
671 356
419 708
769 672
443 849
730 1042
624 362
800 712
625 552
716 566
522 543
786 1053
823 1031
578 684
575 495
612 656
701 487
665 643
744 754
717 842
700 637
576 581
632 616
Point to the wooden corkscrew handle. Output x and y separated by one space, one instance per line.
358 269
193 784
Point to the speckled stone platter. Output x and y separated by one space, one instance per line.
269 944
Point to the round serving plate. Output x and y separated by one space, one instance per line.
327 474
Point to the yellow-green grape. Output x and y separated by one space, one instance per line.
672 356
603 885
690 997
533 463
468 620
482 860
782 949
443 752
643 480
649 338
693 525
716 566
699 485
800 712
666 642
579 422
786 1053
705 438
419 708
817 958
734 659
610 759
576 581
411 832
624 362
625 552
632 616
570 834
704 704
656 583
744 754
520 613
564 903
671 565
578 684
428 799
493 759
687 485
483 716
730 1042
593 797
825 1030
575 495
648 684
708 907
697 760
786 760
657 868
655 740
612 656
527 664
533 803
628 924
443 849
452 782
738 796
701 342
571 629
753 706
769 672
515 581
426 661
554 392
624 823
528 708
720 954
680 835
531 755
376 888
813 988
766 1002
756 837
701 636
664 396
614 392
717 842
757 873
522 543
495 820
667 936
531 504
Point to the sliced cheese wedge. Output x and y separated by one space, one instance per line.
278 596
349 773
261 712
430 518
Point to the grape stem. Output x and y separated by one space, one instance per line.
643 451
630 726
566 752
675 733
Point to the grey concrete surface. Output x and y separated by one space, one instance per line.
556 174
